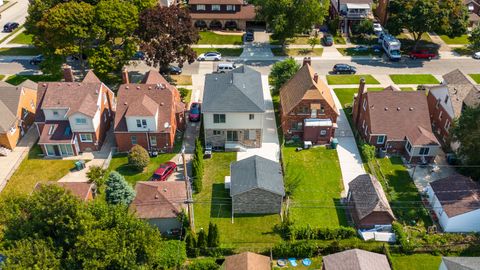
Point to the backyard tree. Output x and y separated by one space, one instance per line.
118 190
198 166
96 175
474 38
313 41
191 245
466 131
213 239
365 27
282 72
138 157
31 254
166 34
202 241
447 17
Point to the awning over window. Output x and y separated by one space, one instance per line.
318 122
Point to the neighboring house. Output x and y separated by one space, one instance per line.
82 190
17 108
396 121
256 186
456 202
355 259
148 114
73 117
473 7
307 109
447 101
367 202
160 203
350 12
219 14
460 263
233 109
246 261
167 3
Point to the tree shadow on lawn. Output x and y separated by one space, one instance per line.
127 170
221 203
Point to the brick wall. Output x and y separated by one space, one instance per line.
165 141
438 123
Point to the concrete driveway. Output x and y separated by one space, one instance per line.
424 175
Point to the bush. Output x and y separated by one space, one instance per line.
368 152
365 27
282 72
191 245
197 166
203 264
138 157
213 239
300 249
307 232
118 191
407 246
96 175
183 92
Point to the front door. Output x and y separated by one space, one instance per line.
232 135
56 150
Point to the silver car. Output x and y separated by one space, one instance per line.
210 56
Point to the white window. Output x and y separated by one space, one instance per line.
215 7
313 114
447 125
364 104
80 121
323 132
133 139
200 7
219 118
408 146
104 98
142 123
252 134
440 115
51 130
424 151
470 7
380 139
50 150
230 7
153 141
86 137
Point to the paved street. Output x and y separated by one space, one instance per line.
16 13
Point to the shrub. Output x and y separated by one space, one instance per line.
368 152
301 249
213 239
96 175
138 157
118 191
307 232
191 245
202 242
203 264
407 246
183 92
197 166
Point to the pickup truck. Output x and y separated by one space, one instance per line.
422 54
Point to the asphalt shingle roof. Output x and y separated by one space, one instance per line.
356 259
462 263
9 101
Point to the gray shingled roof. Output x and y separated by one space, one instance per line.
256 172
356 259
9 99
462 263
239 90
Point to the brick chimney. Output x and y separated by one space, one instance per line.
357 108
307 60
315 77
125 78
67 73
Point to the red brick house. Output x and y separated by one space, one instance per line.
73 117
219 14
307 110
447 101
396 121
148 114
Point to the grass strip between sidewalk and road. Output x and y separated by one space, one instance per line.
297 52
475 77
22 38
19 51
224 51
350 79
413 79
461 40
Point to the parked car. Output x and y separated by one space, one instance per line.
476 55
37 59
422 54
230 25
164 171
139 55
210 56
377 27
194 114
327 40
10 26
361 48
344 69
249 36
171 70
224 67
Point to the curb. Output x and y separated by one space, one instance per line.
7 6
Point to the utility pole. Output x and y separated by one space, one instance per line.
189 192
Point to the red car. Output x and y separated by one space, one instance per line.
164 171
195 111
422 54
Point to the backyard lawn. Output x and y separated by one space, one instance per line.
223 51
414 79
475 77
297 52
350 79
415 262
316 200
19 51
18 79
207 37
35 169
214 204
22 38
463 39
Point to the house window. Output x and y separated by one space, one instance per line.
142 123
86 137
408 146
323 132
380 139
230 7
446 99
232 135
200 7
139 123
218 118
251 116
437 104
297 126
24 113
424 151
440 115
471 7
80 121
55 113
13 129
313 114
252 134
215 7
217 132
133 139
366 130
51 130
322 109
364 104
153 141
447 125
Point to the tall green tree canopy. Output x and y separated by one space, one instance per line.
289 17
118 190
474 38
282 72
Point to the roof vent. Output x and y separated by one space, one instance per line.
69 84
79 84
386 108
138 87
44 84
398 108
126 87
125 103
411 108
161 103
156 196
216 78
165 190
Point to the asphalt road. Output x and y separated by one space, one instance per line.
16 13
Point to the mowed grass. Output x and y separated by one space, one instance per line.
18 79
297 52
463 39
316 200
353 52
213 204
182 79
223 51
345 95
207 37
19 51
350 79
475 77
22 38
414 79
415 262
34 169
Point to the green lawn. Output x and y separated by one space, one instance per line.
414 79
22 38
350 79
463 39
18 79
339 40
475 77
34 169
353 52
223 51
316 200
207 37
425 37
345 95
19 51
416 262
297 52
213 204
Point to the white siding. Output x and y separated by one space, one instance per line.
50 116
132 123
234 121
432 152
88 127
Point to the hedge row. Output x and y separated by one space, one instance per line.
311 233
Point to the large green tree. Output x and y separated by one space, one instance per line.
289 17
118 190
447 17
282 72
474 38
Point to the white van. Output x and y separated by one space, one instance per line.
222 68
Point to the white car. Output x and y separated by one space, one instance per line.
210 56
377 27
476 55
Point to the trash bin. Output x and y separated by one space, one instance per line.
382 152
334 143
78 165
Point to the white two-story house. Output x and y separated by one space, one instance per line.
73 117
351 12
233 109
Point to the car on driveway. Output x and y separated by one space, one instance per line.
37 59
422 54
476 55
194 113
344 69
377 27
171 70
10 26
249 36
210 56
327 40
164 171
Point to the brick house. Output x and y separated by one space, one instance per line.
148 113
447 101
396 121
17 107
73 117
219 14
307 109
